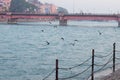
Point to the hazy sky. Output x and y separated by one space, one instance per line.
88 6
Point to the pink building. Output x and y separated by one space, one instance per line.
48 9
53 9
4 5
0 9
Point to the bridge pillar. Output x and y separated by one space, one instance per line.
118 23
63 22
118 20
11 21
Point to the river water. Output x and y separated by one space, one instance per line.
28 50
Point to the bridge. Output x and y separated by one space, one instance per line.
62 18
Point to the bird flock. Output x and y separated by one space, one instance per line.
63 39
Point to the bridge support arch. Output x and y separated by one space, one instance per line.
63 22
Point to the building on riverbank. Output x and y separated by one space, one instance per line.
44 8
4 5
48 9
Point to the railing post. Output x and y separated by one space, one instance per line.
114 57
56 69
92 72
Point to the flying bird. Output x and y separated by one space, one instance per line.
62 38
42 30
99 33
47 42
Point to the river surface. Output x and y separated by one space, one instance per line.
28 50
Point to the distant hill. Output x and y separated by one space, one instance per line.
31 6
21 6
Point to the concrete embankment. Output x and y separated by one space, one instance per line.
112 76
108 75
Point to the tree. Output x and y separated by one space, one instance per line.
21 6
62 10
